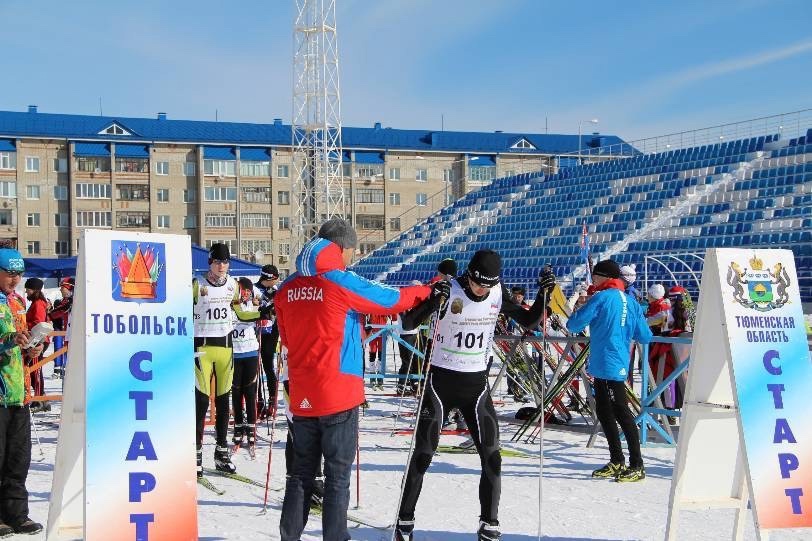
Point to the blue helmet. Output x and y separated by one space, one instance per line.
11 260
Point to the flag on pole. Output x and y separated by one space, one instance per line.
585 254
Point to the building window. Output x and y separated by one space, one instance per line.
335 195
32 219
483 173
369 196
220 168
394 198
217 193
162 168
190 222
61 219
231 243
283 198
32 191
8 189
132 165
163 221
60 165
369 170
31 164
367 247
60 193
132 219
221 219
163 195
91 218
133 192
61 247
394 173
93 191
5 217
421 175
284 222
189 169
284 248
366 221
510 173
256 194
114 129
283 171
256 219
448 175
189 195
394 224
93 164
33 247
255 169
524 143
252 246
420 199
8 160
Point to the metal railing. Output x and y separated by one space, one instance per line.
786 126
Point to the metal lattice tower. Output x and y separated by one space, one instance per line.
318 185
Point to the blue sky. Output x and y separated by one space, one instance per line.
642 68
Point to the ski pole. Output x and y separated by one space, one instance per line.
541 419
358 469
435 328
273 427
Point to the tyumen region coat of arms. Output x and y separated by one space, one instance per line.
758 287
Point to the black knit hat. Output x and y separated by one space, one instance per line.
448 267
219 251
34 283
269 272
607 268
485 268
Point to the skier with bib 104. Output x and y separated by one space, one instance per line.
458 378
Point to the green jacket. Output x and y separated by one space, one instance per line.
12 375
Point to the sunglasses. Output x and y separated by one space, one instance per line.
11 273
479 285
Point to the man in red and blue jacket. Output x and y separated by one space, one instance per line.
320 311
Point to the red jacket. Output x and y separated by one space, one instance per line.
319 312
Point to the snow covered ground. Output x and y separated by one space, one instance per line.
575 506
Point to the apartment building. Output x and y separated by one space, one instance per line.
231 182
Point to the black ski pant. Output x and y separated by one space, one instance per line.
409 362
467 391
268 342
15 459
612 408
244 390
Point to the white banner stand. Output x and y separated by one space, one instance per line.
124 465
749 382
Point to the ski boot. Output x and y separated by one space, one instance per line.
199 461
222 460
251 438
631 474
404 530
489 531
239 435
610 471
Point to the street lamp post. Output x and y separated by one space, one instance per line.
580 123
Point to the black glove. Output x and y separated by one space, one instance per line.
266 312
368 329
546 279
440 292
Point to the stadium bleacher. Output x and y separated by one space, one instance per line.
670 206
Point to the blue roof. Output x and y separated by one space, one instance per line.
7 145
24 124
481 161
219 153
368 157
91 149
249 154
132 151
